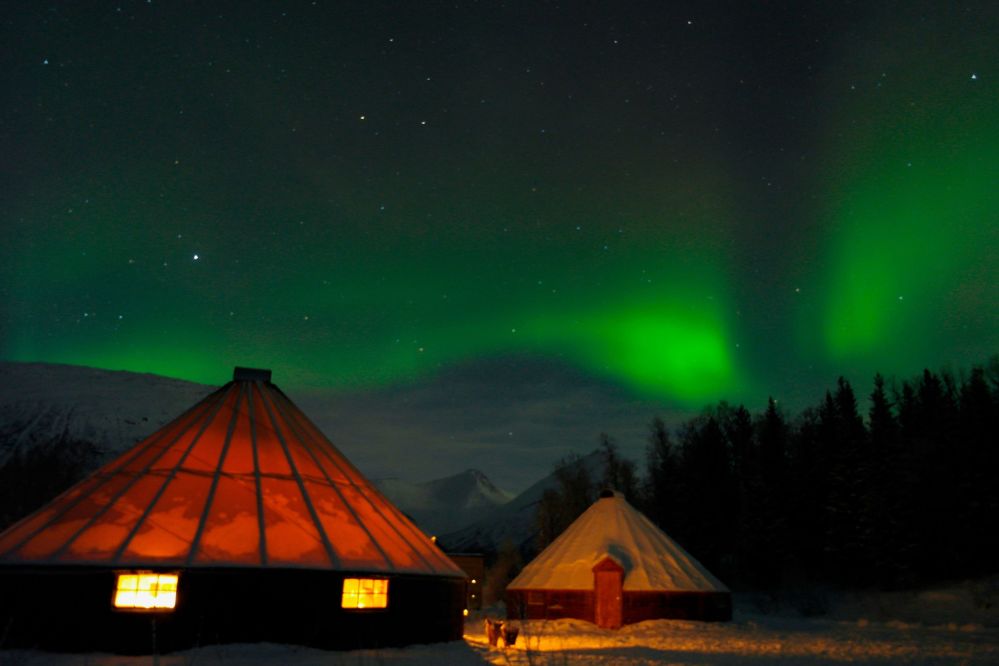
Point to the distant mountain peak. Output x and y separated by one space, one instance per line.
448 503
513 521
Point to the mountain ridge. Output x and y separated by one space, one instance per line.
515 522
87 416
448 503
48 404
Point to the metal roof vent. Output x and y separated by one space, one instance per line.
250 374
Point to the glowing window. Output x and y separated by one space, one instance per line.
146 591
365 593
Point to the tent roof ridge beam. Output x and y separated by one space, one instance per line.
363 492
195 544
104 479
173 473
290 418
100 512
334 559
261 524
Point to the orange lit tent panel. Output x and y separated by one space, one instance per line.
243 478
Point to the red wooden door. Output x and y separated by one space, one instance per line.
607 595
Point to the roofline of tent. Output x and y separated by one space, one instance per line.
55 566
279 415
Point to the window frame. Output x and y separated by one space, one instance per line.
374 595
118 575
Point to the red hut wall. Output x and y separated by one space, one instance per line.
638 606
549 604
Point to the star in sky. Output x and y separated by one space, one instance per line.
736 166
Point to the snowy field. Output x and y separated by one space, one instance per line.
955 625
747 640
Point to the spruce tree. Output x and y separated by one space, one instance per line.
709 487
619 473
660 497
977 433
887 490
849 532
770 546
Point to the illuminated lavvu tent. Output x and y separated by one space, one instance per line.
238 521
612 566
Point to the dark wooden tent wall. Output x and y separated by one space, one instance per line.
66 609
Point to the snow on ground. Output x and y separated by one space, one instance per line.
956 624
750 639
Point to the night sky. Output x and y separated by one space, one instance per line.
660 204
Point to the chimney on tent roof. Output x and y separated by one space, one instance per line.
250 375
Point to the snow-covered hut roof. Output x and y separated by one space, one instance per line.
612 527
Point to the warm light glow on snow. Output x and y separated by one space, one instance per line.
146 591
763 638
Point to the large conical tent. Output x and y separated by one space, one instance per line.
241 481
653 577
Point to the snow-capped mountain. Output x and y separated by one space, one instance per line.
43 404
447 504
516 521
104 412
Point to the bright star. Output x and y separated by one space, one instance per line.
196 257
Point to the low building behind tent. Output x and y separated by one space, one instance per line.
474 566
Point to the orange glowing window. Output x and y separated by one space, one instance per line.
146 591
365 593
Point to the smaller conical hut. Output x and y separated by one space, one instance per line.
612 567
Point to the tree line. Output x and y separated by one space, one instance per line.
906 494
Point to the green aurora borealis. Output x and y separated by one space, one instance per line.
912 216
717 209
